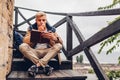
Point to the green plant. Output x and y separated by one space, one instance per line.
113 74
91 71
115 38
79 59
113 4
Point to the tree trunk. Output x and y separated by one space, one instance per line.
6 36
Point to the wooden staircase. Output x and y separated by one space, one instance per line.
56 75
60 72
23 65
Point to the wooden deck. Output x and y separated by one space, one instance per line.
56 75
62 72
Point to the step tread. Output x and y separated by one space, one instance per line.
19 64
22 59
56 75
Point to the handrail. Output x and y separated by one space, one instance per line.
90 13
103 34
98 13
54 13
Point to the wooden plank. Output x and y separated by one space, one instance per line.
51 77
27 20
27 9
69 37
76 30
103 34
98 13
55 13
59 74
95 65
24 17
67 76
81 71
62 21
98 37
91 13
13 74
93 61
76 50
64 51
16 16
79 37
56 75
21 74
74 74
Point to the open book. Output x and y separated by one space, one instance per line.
37 38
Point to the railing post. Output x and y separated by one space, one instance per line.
69 37
69 41
91 57
16 18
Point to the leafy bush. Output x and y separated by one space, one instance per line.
91 71
113 74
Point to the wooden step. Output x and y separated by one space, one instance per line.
17 54
19 64
56 75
